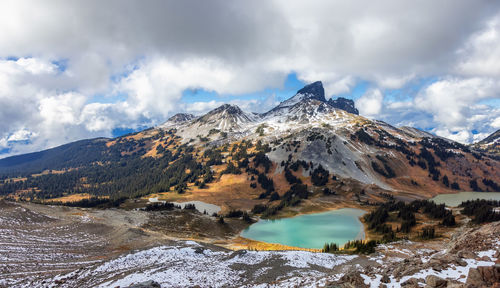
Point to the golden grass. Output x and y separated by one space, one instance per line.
229 192
110 143
72 198
47 172
240 243
152 151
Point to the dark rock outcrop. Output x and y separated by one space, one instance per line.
314 90
344 104
181 117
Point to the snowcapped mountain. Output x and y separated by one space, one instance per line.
493 139
177 119
226 118
313 91
181 117
330 133
307 129
490 144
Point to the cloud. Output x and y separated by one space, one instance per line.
370 104
71 70
452 101
20 135
449 108
480 55
496 123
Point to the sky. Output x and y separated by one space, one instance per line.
71 70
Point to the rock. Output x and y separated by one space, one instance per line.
410 283
455 284
474 277
484 276
315 90
344 104
485 258
353 280
146 284
385 279
466 254
434 281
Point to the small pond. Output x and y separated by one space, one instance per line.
310 230
453 200
200 206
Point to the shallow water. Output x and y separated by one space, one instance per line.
201 206
453 200
311 230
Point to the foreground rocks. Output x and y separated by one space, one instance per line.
469 259
64 247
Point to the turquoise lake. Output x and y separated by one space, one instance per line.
453 200
311 230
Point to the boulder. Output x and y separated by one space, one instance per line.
487 276
434 281
385 279
410 283
146 284
353 280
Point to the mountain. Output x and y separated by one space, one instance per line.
344 104
226 118
490 144
313 91
181 118
238 159
493 139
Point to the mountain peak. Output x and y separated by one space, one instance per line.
344 104
225 118
492 138
314 91
229 108
181 117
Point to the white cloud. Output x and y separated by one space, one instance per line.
20 135
496 123
142 56
370 104
452 101
461 136
480 56
393 82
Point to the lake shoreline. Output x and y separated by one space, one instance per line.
332 226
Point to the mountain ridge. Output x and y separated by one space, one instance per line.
307 138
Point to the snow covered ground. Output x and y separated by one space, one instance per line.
189 264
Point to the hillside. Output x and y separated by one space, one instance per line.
238 159
490 144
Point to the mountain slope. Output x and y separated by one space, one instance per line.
239 159
490 144
68 155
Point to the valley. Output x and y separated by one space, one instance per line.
54 246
